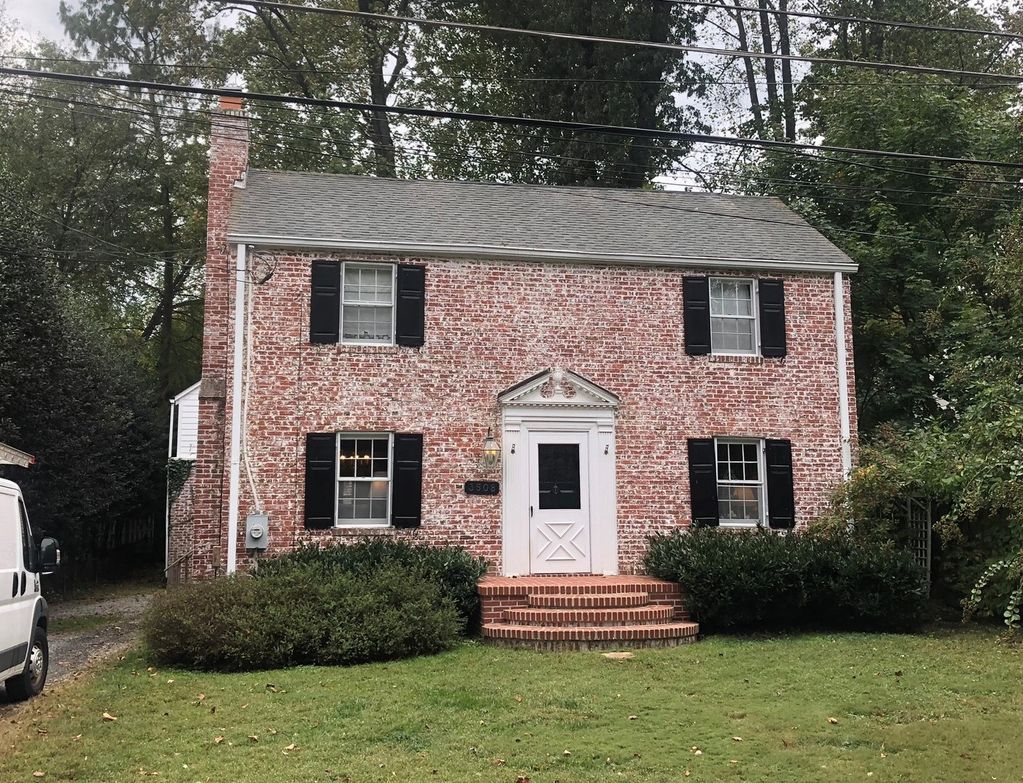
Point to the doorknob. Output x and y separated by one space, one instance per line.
14 587
530 512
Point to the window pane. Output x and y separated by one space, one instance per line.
558 475
347 455
368 284
369 323
739 503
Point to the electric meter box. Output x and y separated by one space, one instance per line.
257 531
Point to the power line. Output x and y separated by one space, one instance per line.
848 19
478 77
574 126
596 193
424 22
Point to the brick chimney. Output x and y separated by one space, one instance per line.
229 158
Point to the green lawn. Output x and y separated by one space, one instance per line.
947 706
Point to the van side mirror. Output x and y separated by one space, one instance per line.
49 555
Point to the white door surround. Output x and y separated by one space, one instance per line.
557 426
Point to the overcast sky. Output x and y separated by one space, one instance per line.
37 17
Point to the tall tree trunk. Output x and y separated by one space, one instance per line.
378 123
751 74
636 170
773 103
787 91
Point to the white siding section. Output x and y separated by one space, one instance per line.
185 415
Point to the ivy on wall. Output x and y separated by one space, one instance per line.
178 471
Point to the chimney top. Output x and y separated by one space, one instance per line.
230 103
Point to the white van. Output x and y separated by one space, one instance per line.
24 654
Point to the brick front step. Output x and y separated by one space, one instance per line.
496 586
618 635
584 612
588 600
633 615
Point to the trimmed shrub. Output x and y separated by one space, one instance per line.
300 616
747 580
452 569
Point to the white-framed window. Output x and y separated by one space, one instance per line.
733 316
367 303
364 479
742 495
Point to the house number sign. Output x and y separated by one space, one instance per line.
482 488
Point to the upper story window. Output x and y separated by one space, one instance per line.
367 303
734 316
733 319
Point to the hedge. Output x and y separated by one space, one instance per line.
748 580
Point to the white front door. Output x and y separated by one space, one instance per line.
559 502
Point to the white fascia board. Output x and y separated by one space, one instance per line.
12 456
532 254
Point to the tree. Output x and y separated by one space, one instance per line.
72 396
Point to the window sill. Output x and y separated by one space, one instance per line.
367 348
362 530
735 358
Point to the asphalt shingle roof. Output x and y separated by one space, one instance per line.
349 211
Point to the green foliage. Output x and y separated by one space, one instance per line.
758 579
1008 571
71 396
300 616
178 471
452 569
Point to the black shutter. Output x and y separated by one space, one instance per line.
703 482
772 318
325 308
407 484
696 304
410 318
781 507
320 479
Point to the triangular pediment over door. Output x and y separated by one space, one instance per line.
555 386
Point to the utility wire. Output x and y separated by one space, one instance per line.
478 77
579 127
847 19
802 157
598 194
484 28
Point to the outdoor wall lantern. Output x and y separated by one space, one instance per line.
491 451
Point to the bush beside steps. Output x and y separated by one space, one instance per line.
340 605
750 580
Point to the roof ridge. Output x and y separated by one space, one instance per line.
517 185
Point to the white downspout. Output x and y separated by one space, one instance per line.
843 376
166 492
236 410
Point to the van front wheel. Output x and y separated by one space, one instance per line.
32 679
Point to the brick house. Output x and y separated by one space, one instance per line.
641 361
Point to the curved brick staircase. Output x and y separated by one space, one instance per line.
584 612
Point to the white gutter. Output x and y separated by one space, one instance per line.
234 485
500 252
843 376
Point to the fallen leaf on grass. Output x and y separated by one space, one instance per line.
619 656
254 738
108 717
833 721
634 717
737 739
39 774
522 779
218 739
566 752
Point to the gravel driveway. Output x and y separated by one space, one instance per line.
73 651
